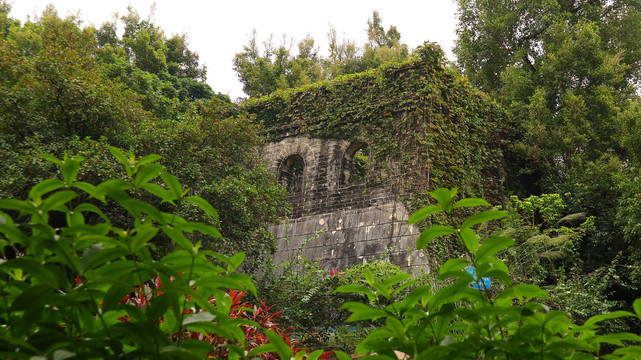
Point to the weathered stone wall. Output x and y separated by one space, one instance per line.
341 223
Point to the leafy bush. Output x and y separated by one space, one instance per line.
63 283
498 321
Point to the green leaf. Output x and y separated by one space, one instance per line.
33 297
470 202
393 280
164 194
51 158
263 349
143 234
179 239
342 355
200 227
314 355
61 354
203 205
178 352
86 187
361 311
12 204
618 338
147 173
146 160
423 213
119 156
173 184
282 348
613 315
235 261
199 317
523 292
44 187
453 268
470 239
431 233
137 208
70 169
99 256
58 199
444 197
355 288
34 269
91 208
483 216
637 307
493 245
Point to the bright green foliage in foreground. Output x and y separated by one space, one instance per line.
45 312
62 296
458 322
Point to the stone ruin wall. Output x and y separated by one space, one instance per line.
339 222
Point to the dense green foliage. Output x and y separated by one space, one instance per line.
567 73
95 290
71 90
497 321
564 133
422 121
278 68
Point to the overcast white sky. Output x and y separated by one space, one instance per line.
218 29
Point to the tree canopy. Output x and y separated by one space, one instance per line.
567 72
72 90
279 67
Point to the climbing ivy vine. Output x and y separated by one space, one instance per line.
426 126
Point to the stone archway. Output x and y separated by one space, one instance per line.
290 173
354 164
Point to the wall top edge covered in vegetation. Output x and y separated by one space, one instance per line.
337 108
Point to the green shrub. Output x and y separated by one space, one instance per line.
497 321
68 287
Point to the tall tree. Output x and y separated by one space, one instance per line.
276 67
567 71
57 97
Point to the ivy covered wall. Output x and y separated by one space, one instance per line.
424 124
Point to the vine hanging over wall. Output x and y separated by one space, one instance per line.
426 126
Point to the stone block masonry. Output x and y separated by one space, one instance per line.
336 218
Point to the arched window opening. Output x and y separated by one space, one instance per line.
355 164
290 173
